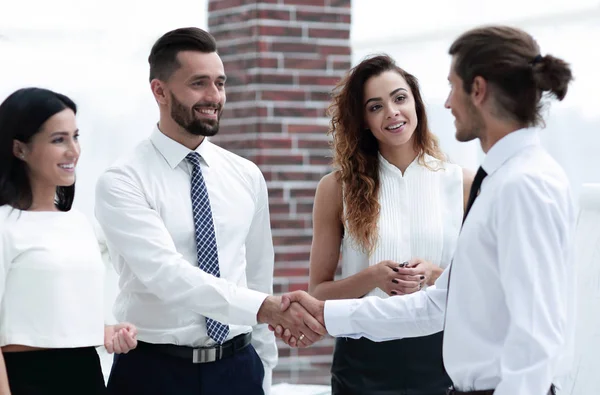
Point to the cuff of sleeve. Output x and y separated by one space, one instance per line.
338 316
245 306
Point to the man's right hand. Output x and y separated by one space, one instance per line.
279 312
315 307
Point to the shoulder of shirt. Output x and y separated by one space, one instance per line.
243 168
85 225
7 215
439 164
5 211
235 160
139 156
134 161
537 172
6 219
79 216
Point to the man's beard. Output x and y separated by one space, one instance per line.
185 117
475 125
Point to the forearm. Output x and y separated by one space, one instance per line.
137 233
417 314
355 286
175 281
4 388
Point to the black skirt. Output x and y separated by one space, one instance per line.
411 366
71 371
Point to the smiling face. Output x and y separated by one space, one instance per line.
389 109
468 120
196 92
52 153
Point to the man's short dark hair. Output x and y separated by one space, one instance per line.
163 56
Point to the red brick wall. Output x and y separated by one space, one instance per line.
282 58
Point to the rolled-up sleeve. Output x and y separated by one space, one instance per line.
137 233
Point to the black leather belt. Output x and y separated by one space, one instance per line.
203 354
454 392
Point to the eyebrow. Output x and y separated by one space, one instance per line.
222 77
62 133
392 93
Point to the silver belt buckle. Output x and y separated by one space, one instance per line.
204 355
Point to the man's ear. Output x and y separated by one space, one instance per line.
158 90
479 91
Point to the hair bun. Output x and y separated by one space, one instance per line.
552 75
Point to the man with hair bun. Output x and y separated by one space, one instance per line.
507 302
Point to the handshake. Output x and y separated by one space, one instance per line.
296 317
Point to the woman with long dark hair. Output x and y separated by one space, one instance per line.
393 206
51 270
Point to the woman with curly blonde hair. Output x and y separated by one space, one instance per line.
390 212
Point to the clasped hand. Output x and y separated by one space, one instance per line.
298 319
120 338
403 278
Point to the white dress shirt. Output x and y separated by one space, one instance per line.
144 207
510 313
51 280
420 214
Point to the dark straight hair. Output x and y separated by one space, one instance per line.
22 116
163 56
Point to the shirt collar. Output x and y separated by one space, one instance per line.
427 159
508 146
174 153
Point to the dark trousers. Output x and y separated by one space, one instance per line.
65 371
149 372
489 392
411 366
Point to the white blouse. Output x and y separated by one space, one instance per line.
51 280
420 217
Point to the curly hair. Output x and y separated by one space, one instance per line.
355 150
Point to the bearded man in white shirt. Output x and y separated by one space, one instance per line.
187 225
506 303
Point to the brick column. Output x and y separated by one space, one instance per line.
282 58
